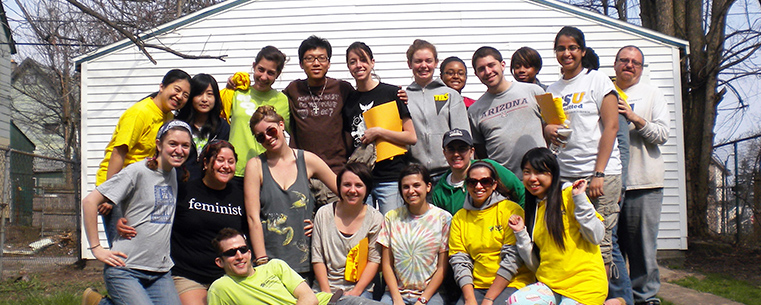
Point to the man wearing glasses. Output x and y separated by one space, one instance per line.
505 120
644 107
316 104
271 283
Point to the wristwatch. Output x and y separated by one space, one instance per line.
422 300
599 175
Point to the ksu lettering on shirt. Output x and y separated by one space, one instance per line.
164 203
573 100
504 109
215 208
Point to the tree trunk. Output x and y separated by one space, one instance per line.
684 19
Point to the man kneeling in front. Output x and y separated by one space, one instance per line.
271 283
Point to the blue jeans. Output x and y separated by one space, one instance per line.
385 196
638 233
435 299
131 286
481 293
619 285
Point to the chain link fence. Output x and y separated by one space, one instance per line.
39 227
734 202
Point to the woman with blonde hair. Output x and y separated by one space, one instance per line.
279 203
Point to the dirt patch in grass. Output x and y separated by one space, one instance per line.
713 257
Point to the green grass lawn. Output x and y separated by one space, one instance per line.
724 286
37 292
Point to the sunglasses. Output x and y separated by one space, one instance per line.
270 132
485 182
457 149
232 252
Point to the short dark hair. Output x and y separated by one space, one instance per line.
362 171
450 59
486 51
272 54
632 47
526 57
314 42
414 169
224 234
175 75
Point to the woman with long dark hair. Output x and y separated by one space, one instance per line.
202 114
373 93
591 151
560 238
414 239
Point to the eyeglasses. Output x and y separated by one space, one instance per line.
457 149
451 73
311 59
485 182
626 61
562 49
270 132
232 252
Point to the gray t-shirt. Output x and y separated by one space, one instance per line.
508 123
330 246
147 199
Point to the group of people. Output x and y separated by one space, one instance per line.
329 194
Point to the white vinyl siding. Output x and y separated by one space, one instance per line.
119 75
5 91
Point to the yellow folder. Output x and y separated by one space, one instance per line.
385 116
552 109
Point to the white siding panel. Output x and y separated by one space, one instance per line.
117 79
5 91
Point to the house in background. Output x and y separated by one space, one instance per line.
7 48
116 76
22 177
35 109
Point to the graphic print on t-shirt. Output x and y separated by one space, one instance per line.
358 125
316 106
504 109
163 207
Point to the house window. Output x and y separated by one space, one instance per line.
50 128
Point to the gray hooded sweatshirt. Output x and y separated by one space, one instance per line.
435 109
462 263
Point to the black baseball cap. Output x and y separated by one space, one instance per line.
457 134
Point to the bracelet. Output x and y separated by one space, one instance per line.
490 299
262 260
93 247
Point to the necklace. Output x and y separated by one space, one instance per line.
315 104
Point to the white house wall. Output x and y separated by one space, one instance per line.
114 80
5 91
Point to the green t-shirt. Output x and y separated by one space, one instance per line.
244 104
451 198
271 283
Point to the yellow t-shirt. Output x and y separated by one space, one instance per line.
481 234
578 272
137 129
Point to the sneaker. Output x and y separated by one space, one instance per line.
91 297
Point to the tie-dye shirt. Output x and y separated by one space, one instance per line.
415 242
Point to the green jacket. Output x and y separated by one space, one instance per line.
451 199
